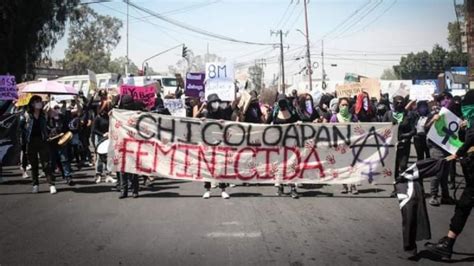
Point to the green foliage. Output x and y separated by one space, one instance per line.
29 30
454 36
91 38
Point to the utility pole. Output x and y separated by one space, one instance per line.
282 59
128 61
308 54
323 74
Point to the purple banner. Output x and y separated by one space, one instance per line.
195 85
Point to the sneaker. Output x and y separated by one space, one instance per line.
448 201
443 248
225 195
206 195
25 175
52 190
28 167
35 189
294 194
434 201
98 179
354 190
110 179
280 191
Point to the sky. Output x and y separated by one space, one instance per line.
360 36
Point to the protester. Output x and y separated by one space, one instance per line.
35 137
101 133
343 115
363 108
406 130
437 152
254 113
284 113
420 140
57 126
219 110
24 156
444 247
306 110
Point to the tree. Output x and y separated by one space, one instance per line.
454 36
193 63
118 66
28 32
425 65
91 38
389 74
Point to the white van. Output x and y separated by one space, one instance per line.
81 82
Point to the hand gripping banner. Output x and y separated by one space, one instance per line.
224 151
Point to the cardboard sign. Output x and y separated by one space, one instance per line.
220 80
8 88
195 85
176 107
223 151
422 92
145 94
371 86
348 90
445 131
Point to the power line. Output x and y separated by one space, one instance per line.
284 14
351 16
363 16
193 29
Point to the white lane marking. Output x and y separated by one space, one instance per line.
235 234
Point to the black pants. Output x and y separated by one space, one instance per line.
441 178
38 151
421 147
124 179
403 154
24 157
466 202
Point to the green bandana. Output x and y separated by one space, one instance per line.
468 113
344 115
398 116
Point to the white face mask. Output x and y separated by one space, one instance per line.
366 104
214 106
38 105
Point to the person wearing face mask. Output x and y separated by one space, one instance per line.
216 109
343 115
419 140
363 108
284 113
444 247
254 114
381 109
406 130
101 132
35 137
441 178
305 109
58 154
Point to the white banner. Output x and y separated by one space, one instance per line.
220 80
422 92
175 106
212 150
444 132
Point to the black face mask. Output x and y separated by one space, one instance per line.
399 107
283 105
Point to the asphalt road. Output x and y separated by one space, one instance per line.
170 224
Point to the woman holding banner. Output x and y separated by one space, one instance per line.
284 113
343 115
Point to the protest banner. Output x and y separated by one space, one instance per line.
220 80
212 150
371 86
8 88
396 87
92 83
175 106
195 85
23 99
348 89
422 92
145 94
445 131
10 139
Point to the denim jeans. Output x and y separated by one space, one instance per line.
59 157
